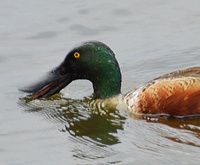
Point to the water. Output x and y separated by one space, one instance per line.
149 38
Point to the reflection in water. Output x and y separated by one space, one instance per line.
94 132
101 125
79 119
190 124
96 127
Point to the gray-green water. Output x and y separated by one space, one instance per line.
149 38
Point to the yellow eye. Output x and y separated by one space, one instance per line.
77 55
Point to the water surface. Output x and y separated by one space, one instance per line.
149 38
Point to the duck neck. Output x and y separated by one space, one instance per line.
108 82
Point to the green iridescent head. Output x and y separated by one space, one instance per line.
93 61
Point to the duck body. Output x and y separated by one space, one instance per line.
176 93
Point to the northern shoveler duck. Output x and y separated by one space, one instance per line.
176 93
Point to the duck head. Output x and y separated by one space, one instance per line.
93 61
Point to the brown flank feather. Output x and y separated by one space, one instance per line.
176 94
180 96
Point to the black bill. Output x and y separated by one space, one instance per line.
50 84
